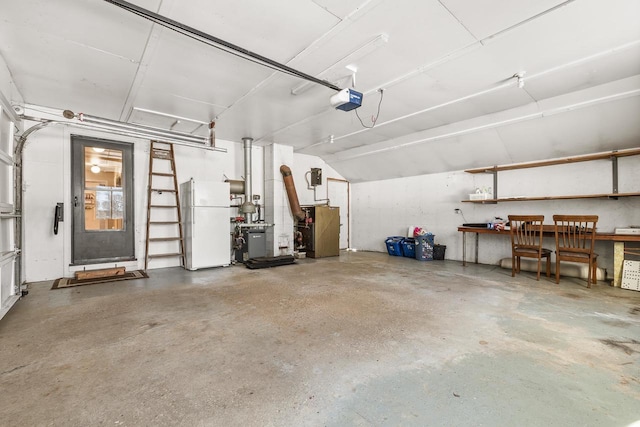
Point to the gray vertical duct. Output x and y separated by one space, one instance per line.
248 208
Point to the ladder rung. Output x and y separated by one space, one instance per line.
163 154
164 255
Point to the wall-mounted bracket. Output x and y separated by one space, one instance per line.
495 183
614 171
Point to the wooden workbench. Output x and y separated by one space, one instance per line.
618 239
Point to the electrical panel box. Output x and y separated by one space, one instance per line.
316 176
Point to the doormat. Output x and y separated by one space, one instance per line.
266 262
65 282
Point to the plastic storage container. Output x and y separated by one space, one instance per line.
424 247
409 247
438 252
394 245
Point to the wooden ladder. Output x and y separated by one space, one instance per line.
167 214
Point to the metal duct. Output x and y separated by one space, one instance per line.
248 207
236 186
290 186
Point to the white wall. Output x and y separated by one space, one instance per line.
302 163
47 176
277 208
47 180
335 191
387 208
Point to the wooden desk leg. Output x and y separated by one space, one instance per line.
618 260
464 249
477 236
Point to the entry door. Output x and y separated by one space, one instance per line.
102 201
338 193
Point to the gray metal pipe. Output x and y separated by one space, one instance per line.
116 130
84 118
248 195
133 134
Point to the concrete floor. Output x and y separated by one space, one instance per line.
361 340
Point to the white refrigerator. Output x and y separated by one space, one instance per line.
205 218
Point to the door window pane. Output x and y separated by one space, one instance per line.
103 193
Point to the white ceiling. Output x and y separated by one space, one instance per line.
450 101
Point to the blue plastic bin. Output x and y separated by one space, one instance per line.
409 247
394 245
424 247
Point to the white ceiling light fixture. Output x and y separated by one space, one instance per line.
98 149
348 61
520 76
95 169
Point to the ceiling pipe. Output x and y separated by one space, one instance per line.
159 133
171 116
85 121
149 136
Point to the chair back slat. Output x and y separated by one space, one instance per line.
526 241
575 233
526 231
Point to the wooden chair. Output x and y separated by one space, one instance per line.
575 238
526 241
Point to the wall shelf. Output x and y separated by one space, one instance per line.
562 161
609 155
582 196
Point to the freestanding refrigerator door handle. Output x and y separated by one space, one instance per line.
193 202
